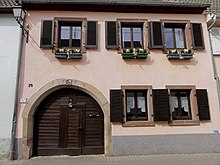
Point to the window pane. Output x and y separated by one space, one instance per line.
130 102
174 105
179 37
184 103
137 37
126 37
141 102
76 36
215 38
169 38
64 36
65 32
185 106
76 32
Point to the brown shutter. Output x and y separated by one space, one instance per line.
47 34
111 35
161 105
197 35
92 34
156 38
203 104
116 106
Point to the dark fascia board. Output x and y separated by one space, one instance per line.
118 2
6 9
134 7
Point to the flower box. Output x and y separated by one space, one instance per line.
179 56
75 56
142 55
61 55
68 53
134 53
127 55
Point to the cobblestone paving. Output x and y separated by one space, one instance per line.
172 159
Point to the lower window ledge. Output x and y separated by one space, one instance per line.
184 123
138 124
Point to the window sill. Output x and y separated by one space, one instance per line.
138 124
184 123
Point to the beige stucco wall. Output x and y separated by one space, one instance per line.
105 69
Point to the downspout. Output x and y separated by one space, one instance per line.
216 77
14 120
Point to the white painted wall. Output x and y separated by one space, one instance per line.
9 52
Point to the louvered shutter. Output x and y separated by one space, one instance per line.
203 104
161 105
111 35
156 38
92 34
47 34
116 106
197 35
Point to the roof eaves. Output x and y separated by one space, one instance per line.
128 3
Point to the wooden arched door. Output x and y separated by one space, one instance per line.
68 122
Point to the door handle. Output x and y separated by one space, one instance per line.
80 128
93 115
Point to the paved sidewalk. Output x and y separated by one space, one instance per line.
172 159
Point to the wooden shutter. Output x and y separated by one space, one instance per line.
161 105
203 104
116 106
197 35
111 35
156 38
92 34
47 34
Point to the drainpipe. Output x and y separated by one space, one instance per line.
14 120
216 77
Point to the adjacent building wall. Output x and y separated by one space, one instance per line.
9 53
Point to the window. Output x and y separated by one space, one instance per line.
126 34
70 34
215 37
132 36
180 104
136 105
132 105
144 106
73 33
174 36
168 34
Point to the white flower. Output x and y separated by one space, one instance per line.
127 50
186 50
141 50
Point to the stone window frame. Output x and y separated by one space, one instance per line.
132 21
142 123
187 31
193 105
71 19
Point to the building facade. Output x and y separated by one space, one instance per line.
116 78
9 59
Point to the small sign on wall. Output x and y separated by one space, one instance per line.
23 100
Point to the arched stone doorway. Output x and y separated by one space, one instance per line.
40 95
